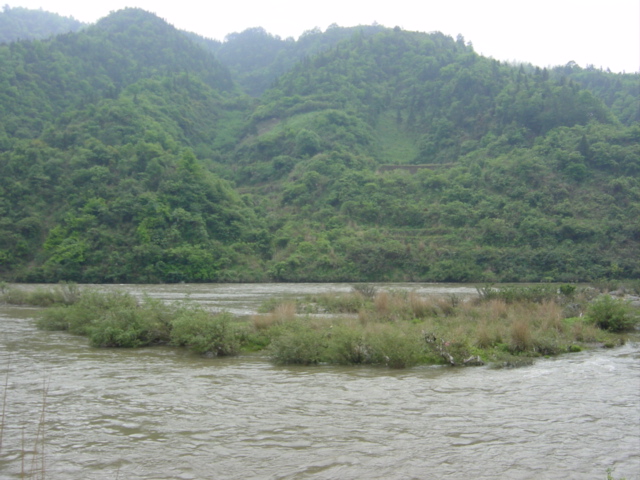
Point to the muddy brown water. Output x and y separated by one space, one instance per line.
162 413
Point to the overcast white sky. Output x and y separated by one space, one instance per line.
603 33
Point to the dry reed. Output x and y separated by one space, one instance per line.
521 339
484 336
283 312
381 303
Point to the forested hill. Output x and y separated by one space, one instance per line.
257 58
132 152
24 24
45 79
619 92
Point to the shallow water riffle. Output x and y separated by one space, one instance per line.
163 413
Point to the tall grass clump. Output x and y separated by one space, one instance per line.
551 316
583 331
280 313
397 306
497 308
382 304
487 334
420 307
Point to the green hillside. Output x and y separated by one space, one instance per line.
133 152
620 92
256 58
99 180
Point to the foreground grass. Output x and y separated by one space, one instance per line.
502 326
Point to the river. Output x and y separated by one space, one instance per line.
163 413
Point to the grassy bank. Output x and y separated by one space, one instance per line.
503 326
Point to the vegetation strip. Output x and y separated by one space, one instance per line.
502 326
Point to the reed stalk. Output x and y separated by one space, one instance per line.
4 403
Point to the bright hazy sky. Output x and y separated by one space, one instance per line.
603 33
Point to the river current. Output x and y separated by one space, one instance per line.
163 413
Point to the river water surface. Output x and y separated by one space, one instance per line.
162 413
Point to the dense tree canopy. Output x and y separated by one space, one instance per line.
133 152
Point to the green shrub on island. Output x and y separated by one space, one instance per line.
118 319
129 324
297 343
204 333
88 313
395 347
611 314
123 328
306 342
349 345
